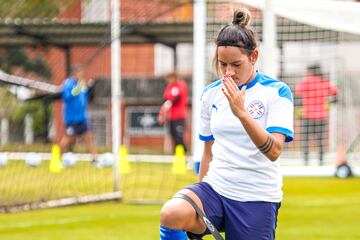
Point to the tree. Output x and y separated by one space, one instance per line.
33 8
16 58
11 103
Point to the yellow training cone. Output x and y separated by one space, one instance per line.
179 163
124 164
55 160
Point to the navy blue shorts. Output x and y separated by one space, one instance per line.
75 129
239 220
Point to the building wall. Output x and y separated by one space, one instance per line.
155 10
136 60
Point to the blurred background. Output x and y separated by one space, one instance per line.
40 40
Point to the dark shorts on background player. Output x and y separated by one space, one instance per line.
177 128
244 220
75 129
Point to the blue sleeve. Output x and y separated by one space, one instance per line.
66 91
206 138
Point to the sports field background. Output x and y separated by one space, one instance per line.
313 208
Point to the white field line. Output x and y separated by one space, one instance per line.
289 167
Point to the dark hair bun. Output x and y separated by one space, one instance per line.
241 17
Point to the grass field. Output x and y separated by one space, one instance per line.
313 208
20 183
151 182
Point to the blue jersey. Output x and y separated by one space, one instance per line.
75 104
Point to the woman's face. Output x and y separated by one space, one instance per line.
233 62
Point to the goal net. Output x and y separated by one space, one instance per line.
305 33
39 44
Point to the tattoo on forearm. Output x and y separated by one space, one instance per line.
266 147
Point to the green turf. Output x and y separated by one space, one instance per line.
153 182
20 183
313 208
320 208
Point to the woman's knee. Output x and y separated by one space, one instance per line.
176 214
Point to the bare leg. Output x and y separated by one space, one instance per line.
180 215
65 142
90 144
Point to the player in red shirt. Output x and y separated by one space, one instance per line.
174 107
314 90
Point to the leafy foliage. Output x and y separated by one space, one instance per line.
6 110
37 109
33 8
17 58
39 66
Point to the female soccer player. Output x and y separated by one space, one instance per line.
246 117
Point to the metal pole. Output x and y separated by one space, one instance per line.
199 76
67 59
270 59
115 87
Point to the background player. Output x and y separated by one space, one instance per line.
174 108
75 95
